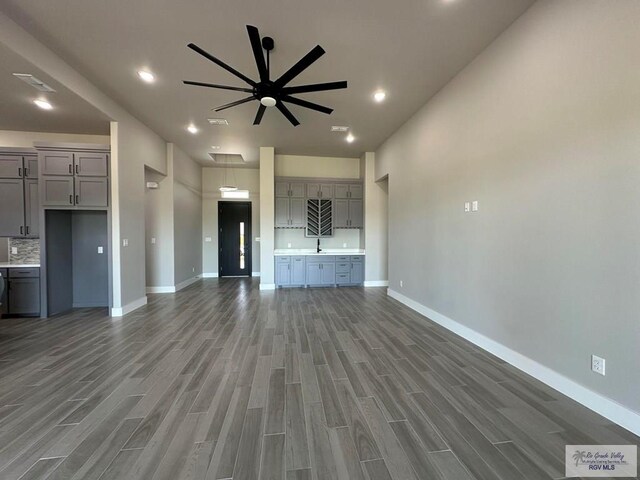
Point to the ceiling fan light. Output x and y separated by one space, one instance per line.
228 188
268 101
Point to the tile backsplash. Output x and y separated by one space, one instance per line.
28 250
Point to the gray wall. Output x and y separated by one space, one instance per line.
159 230
541 129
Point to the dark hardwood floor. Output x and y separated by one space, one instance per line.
224 381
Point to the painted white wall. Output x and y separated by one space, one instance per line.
267 217
212 179
13 138
541 129
306 166
374 237
159 223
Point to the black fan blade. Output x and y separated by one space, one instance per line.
233 104
259 115
285 111
220 63
304 103
302 64
316 87
213 85
256 46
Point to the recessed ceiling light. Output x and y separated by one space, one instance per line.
43 104
379 96
192 129
146 76
350 138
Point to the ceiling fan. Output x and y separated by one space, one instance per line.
269 92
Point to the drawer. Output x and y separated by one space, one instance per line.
343 258
357 258
343 278
280 259
321 259
24 272
343 267
297 259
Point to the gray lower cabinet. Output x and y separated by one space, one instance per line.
321 270
23 296
57 191
11 207
290 271
4 307
357 272
348 213
283 273
298 271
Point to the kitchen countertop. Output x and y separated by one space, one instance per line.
312 251
19 265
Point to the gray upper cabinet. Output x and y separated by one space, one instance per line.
11 166
57 191
348 213
11 207
289 212
31 166
282 212
91 192
282 189
320 190
356 219
90 164
348 190
31 207
56 163
290 189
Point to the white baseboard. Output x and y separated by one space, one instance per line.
187 282
129 307
376 283
267 286
209 275
606 407
161 289
255 274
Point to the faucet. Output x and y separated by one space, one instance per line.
318 249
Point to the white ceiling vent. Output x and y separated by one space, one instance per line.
228 159
34 82
339 128
218 121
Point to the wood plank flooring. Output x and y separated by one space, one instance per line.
223 381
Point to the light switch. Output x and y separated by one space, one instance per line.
257 239
467 207
125 242
474 206
100 250
207 239
153 240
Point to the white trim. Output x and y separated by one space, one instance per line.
129 307
267 286
161 289
376 283
187 282
606 407
255 274
209 275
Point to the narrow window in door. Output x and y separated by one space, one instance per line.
241 245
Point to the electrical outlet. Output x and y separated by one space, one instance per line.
289 245
193 269
474 206
207 239
401 284
153 240
100 250
344 245
467 206
125 242
14 250
597 364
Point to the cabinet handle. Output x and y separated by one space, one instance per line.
77 199
70 169
27 229
26 172
71 199
77 168
20 172
21 230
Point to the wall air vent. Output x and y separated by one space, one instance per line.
34 82
339 128
218 121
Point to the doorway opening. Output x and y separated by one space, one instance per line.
234 234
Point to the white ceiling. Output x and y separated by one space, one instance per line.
410 48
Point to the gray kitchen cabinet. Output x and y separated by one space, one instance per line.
314 275
348 213
321 270
11 207
24 296
348 190
31 166
289 212
92 164
290 189
11 166
298 271
31 207
57 191
320 190
4 306
357 272
56 163
283 274
91 192
290 271
328 273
